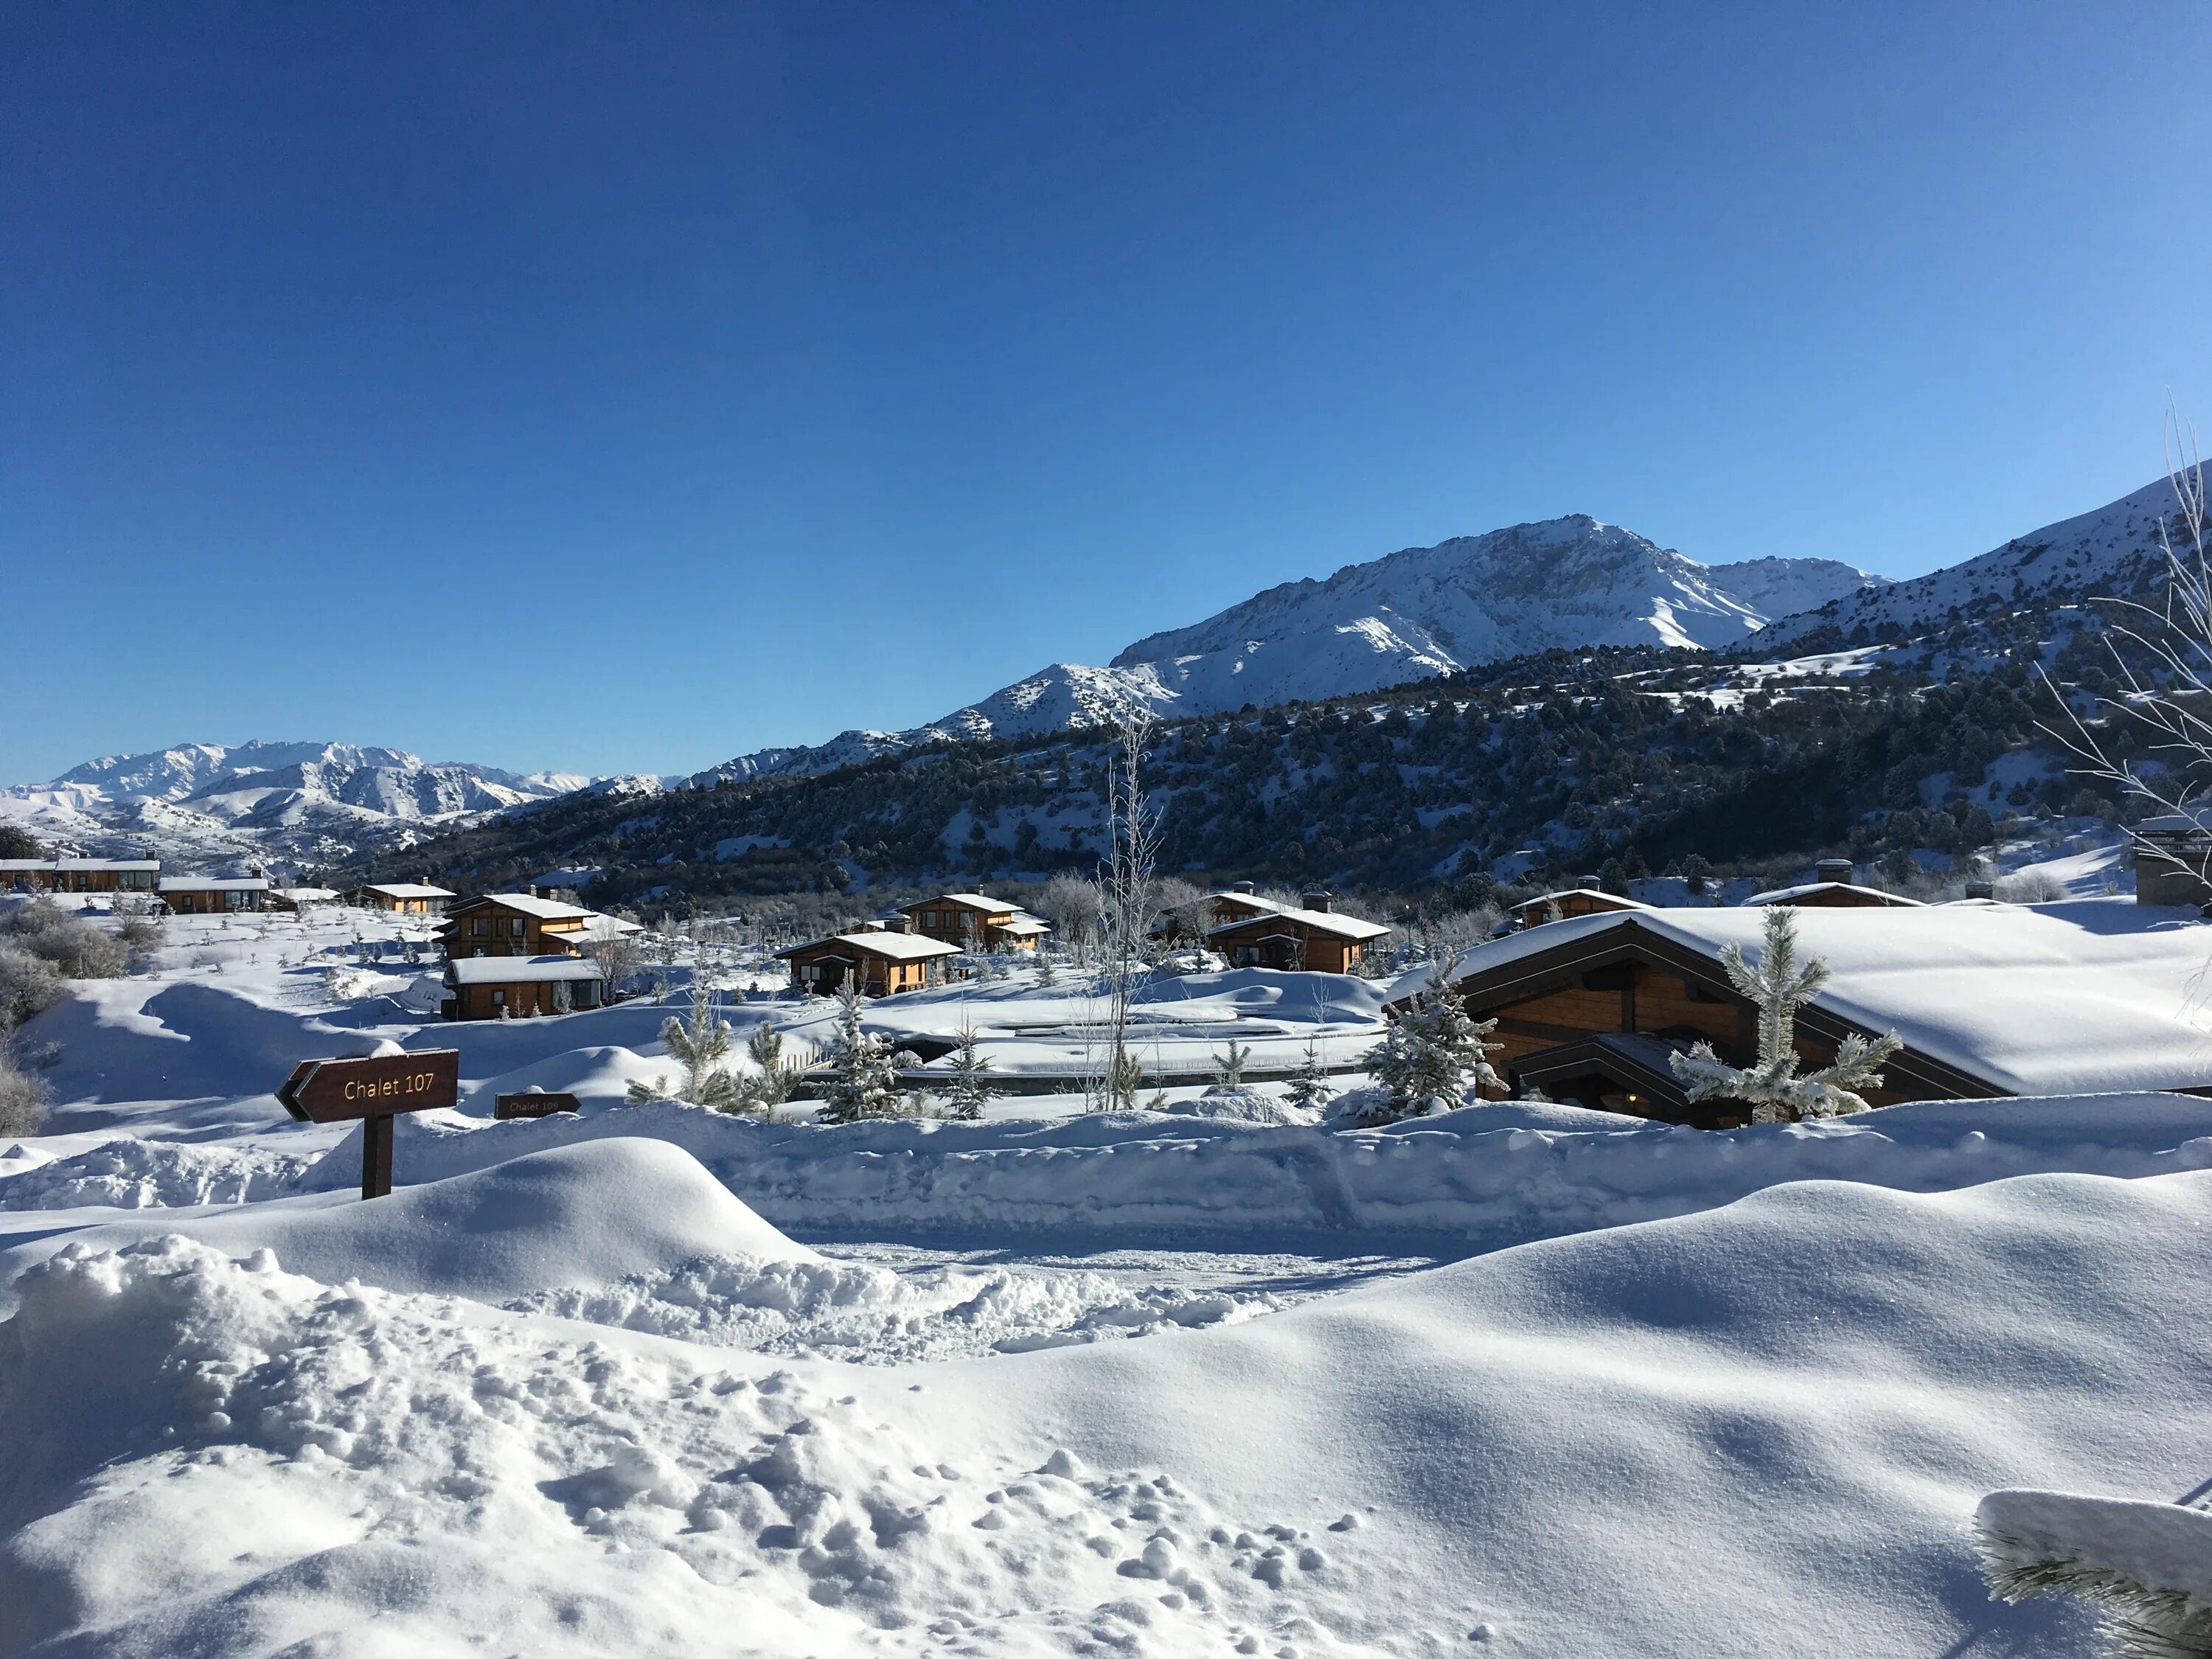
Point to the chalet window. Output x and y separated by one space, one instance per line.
499 999
515 926
1248 956
479 927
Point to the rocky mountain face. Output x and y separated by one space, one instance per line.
290 805
2114 550
1569 582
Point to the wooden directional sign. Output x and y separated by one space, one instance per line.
371 1090
534 1104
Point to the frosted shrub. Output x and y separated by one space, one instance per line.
2033 887
22 1102
28 984
78 948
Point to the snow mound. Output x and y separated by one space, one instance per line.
125 1173
1243 1105
284 1466
575 1216
835 1310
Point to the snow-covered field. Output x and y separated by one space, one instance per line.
1520 1379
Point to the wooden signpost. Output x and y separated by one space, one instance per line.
372 1090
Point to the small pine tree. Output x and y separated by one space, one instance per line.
1432 1054
1309 1088
972 1088
863 1081
700 1048
1229 1069
1779 987
1048 969
777 1076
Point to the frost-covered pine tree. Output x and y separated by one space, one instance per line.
972 1088
564 999
777 1076
2146 1567
1431 1054
701 1047
863 1081
1779 987
1309 1088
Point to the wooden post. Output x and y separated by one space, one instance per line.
376 1156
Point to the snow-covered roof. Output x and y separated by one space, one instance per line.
904 947
309 895
2196 822
1026 926
544 909
211 885
519 970
972 901
1273 907
1783 894
1613 900
2083 998
1319 921
407 889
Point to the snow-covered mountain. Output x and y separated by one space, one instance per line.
2113 550
1423 611
287 804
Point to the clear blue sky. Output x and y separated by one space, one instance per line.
622 388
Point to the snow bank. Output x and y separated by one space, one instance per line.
285 1467
1733 1434
584 1215
1490 1175
125 1173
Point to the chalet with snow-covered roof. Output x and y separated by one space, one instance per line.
1311 938
1989 999
1573 901
1832 888
878 963
520 987
206 896
2174 858
404 898
974 921
79 875
517 925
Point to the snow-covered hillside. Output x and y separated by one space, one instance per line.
2114 550
1422 611
288 803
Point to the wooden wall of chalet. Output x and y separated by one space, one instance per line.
205 901
1287 947
509 934
1637 997
522 1000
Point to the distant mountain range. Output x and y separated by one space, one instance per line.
302 804
1408 616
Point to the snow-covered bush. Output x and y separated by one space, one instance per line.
1780 985
22 1102
78 948
1310 1089
2033 887
28 984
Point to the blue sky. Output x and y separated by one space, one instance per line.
625 388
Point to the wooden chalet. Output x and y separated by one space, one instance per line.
518 988
974 921
1308 938
206 896
79 875
517 925
2172 858
404 898
878 963
1573 902
1832 888
1990 1000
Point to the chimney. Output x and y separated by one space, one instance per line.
1317 900
1587 884
1981 889
1834 870
897 922
1243 887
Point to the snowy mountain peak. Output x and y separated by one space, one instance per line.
1422 611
